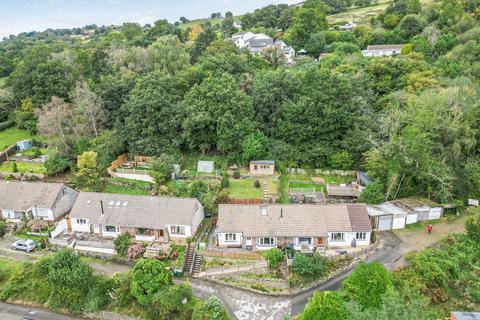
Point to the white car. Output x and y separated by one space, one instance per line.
24 244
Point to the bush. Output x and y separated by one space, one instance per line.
472 227
3 228
121 292
57 164
367 285
99 296
6 124
236 174
274 257
149 277
325 305
168 303
210 309
122 243
14 167
71 280
257 184
373 193
225 182
305 265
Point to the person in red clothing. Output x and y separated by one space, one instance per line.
429 228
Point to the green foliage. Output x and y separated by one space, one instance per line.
122 243
161 172
149 279
255 146
341 160
374 193
306 265
325 305
210 309
14 167
88 176
472 227
236 174
71 280
25 117
57 164
274 257
168 303
225 182
367 285
3 228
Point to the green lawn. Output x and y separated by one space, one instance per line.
244 189
126 190
358 15
193 23
298 185
22 167
11 135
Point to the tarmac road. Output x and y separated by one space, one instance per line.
14 312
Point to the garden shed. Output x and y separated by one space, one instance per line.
25 144
205 166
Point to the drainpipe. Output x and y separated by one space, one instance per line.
102 215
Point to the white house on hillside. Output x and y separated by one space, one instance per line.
38 200
385 50
262 227
257 42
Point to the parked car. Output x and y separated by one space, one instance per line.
24 244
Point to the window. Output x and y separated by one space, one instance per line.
230 237
124 204
81 221
302 240
266 241
337 236
41 212
255 167
177 230
118 203
361 236
110 229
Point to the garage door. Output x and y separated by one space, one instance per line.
385 223
435 213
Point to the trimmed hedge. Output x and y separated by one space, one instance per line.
6 124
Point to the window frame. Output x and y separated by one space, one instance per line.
335 234
230 237
310 240
363 236
180 230
106 230
261 241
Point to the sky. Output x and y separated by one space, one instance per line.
18 16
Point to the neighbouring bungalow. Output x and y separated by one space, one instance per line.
38 200
384 50
262 227
343 191
262 167
145 218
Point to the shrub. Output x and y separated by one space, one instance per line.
135 251
367 285
121 292
149 277
274 257
6 124
99 296
122 243
236 174
257 184
225 182
325 305
168 303
259 287
210 309
472 227
57 164
71 280
373 193
305 265
3 228
14 167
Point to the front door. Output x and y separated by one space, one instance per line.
320 241
161 232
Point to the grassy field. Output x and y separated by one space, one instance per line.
193 23
359 15
134 187
23 167
11 135
244 189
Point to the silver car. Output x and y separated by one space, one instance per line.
24 244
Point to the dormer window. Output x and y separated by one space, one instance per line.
118 203
124 204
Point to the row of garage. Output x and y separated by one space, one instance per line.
398 213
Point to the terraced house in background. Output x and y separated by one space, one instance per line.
38 200
262 227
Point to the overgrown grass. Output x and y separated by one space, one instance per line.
22 167
12 135
131 187
244 189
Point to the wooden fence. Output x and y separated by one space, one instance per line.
118 162
4 153
245 201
